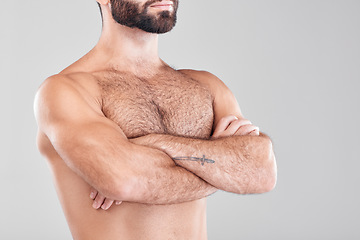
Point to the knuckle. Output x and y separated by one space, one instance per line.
228 118
245 121
222 121
99 199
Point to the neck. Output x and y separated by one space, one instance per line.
121 47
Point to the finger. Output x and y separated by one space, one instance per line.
256 132
98 201
223 124
235 125
118 202
247 129
93 193
107 204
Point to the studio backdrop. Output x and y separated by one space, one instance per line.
294 67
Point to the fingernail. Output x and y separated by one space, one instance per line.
118 202
92 195
103 207
95 205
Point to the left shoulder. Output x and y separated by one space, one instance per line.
215 85
224 100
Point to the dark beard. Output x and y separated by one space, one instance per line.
134 16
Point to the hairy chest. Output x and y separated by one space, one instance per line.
169 104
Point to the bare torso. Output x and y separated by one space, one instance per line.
169 102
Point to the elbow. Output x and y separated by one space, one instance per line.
260 172
269 181
123 190
118 188
268 174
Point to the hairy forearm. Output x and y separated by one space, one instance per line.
160 181
130 173
240 164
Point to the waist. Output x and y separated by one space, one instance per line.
141 221
128 220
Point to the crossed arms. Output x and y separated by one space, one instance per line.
154 169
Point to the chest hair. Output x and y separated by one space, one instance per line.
167 103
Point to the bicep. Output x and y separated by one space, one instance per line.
89 143
225 107
62 104
224 103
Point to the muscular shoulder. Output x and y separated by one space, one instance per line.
65 91
225 102
201 75
215 85
84 83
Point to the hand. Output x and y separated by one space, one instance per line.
232 126
101 201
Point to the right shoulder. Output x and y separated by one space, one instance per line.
61 93
81 82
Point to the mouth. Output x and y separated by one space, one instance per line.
163 5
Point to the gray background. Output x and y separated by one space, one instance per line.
294 67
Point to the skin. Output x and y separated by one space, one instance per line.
121 125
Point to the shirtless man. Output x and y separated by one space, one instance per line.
147 142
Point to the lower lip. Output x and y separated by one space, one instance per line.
163 7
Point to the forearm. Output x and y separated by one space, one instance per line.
240 164
158 180
130 172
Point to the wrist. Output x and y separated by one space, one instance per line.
149 140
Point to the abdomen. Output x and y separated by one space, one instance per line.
128 220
